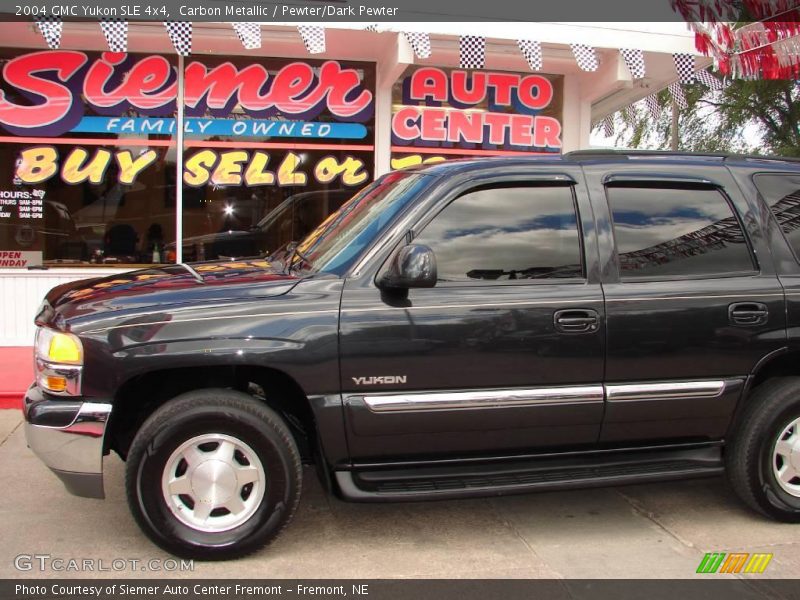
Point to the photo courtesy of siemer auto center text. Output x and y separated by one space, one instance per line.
400 300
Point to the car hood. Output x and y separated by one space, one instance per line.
213 237
164 287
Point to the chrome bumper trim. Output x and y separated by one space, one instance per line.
76 448
484 399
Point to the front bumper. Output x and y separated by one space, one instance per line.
67 435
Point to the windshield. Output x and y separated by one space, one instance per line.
334 245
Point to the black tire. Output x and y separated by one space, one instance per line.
213 411
749 452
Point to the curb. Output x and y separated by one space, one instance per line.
11 400
16 375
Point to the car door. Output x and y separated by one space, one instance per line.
690 310
780 191
505 353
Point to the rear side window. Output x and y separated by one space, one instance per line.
782 194
507 233
669 232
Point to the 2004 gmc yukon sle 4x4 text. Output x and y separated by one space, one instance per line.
476 327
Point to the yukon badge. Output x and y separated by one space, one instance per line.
380 380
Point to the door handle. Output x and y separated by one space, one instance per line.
748 313
576 320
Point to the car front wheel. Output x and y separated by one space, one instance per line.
213 474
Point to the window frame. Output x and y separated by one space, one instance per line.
552 181
768 207
676 184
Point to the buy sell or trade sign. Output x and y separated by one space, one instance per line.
38 164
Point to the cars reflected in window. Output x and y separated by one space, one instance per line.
507 233
782 193
292 220
668 232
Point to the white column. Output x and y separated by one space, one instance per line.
179 166
576 120
383 128
391 63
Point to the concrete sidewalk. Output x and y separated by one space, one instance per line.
648 531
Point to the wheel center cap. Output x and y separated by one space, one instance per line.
213 482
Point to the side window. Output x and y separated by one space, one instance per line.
507 233
782 193
668 232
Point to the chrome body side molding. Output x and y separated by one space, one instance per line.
427 401
484 399
664 391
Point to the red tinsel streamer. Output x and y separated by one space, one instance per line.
702 41
764 63
756 57
765 9
725 35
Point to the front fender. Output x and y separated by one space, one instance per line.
296 333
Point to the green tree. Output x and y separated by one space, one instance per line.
759 116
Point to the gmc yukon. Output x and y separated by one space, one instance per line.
476 327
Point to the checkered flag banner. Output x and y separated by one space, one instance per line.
634 59
653 107
677 95
532 51
419 42
585 56
608 126
630 112
684 65
708 80
51 28
313 37
249 34
180 34
473 51
116 34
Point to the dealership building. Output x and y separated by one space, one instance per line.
112 160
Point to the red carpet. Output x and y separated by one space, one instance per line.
16 374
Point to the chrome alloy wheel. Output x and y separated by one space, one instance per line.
786 459
213 482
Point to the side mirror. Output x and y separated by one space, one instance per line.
413 266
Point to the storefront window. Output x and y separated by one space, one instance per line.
272 147
88 154
87 157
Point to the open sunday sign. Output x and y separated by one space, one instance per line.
222 127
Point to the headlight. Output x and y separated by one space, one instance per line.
58 361
59 347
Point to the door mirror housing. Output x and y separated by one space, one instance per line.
413 266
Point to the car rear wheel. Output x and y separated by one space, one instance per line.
213 474
762 458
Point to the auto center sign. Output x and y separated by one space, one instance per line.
457 111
